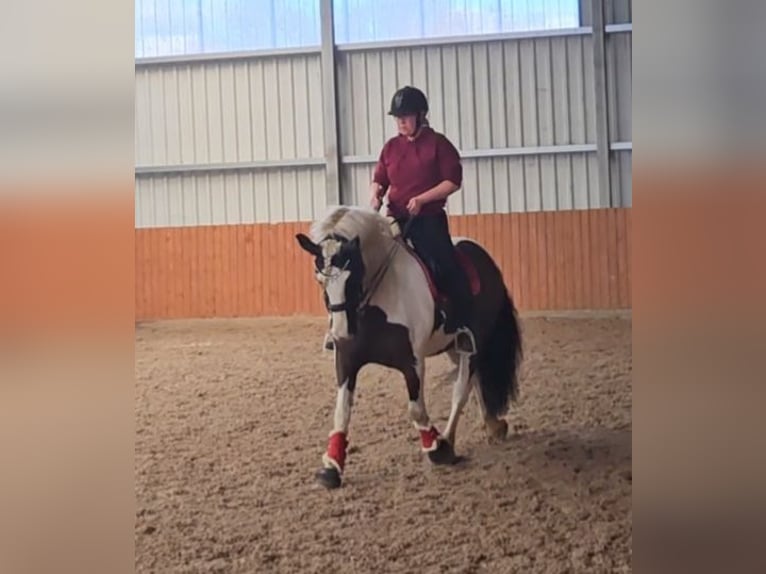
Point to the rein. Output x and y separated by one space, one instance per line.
381 272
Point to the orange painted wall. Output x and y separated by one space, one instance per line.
551 261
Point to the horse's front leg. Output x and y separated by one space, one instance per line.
328 344
437 447
334 460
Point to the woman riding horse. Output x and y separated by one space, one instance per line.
383 308
419 168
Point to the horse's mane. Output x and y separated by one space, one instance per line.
373 230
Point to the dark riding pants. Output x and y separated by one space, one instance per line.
431 238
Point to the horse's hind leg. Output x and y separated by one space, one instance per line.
461 389
454 356
438 449
496 428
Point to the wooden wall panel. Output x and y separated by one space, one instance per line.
550 260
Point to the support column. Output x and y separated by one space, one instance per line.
602 110
330 105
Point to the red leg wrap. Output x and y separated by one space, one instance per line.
336 448
428 438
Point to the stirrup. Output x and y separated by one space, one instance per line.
464 341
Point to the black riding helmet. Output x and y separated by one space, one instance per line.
408 101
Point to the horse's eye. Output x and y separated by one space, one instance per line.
341 261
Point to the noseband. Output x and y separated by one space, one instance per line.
338 307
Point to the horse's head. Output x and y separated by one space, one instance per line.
339 269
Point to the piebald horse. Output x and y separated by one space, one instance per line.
384 310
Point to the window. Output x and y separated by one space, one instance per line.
181 27
185 27
381 20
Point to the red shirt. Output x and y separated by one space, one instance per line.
408 168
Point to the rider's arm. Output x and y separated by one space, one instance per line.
450 171
380 182
441 191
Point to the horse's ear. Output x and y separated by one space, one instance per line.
308 245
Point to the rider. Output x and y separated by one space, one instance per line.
419 169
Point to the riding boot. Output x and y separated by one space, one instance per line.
465 341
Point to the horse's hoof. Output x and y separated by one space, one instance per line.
328 477
498 431
444 453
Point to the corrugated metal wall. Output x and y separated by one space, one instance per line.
483 95
217 198
619 62
499 101
252 130
215 112
615 12
490 98
230 154
509 184
618 11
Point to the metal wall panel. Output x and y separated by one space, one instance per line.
513 93
619 62
228 112
618 11
486 95
506 184
236 111
263 196
615 12
483 95
622 178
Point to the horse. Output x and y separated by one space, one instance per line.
385 310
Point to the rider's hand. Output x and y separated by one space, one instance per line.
375 200
415 205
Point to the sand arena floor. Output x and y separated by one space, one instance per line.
232 418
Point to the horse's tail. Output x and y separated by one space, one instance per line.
499 359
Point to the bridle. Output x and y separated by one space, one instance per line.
337 307
376 280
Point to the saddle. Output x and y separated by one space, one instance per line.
465 262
